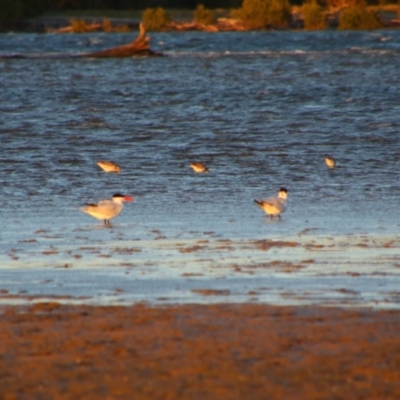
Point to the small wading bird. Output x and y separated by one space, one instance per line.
330 162
199 167
109 166
274 205
107 209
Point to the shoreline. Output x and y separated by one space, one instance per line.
344 271
181 21
193 351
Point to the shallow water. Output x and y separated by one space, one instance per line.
260 109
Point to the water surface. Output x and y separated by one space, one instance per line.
260 109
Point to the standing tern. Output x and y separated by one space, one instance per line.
109 166
107 209
199 167
274 205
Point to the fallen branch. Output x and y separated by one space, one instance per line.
139 47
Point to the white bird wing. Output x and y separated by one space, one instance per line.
274 205
109 208
105 209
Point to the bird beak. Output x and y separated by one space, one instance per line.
129 198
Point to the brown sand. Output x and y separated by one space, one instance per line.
52 351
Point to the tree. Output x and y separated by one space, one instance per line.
313 15
156 19
203 15
358 17
261 14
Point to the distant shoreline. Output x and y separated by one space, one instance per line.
182 20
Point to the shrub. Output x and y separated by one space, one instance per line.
156 19
339 4
122 28
259 14
79 25
280 13
107 25
358 17
203 15
314 18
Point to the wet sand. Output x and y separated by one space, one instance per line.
55 351
340 271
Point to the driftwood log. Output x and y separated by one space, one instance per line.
139 47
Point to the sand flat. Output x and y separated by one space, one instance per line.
50 350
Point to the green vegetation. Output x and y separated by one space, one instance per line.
13 11
252 14
156 19
314 17
81 26
107 26
203 16
261 14
78 25
358 17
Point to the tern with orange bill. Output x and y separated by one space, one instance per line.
107 209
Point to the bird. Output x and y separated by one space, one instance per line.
107 209
199 167
330 162
109 166
274 206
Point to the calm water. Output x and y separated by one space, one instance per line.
260 109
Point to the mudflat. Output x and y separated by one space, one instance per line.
224 351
